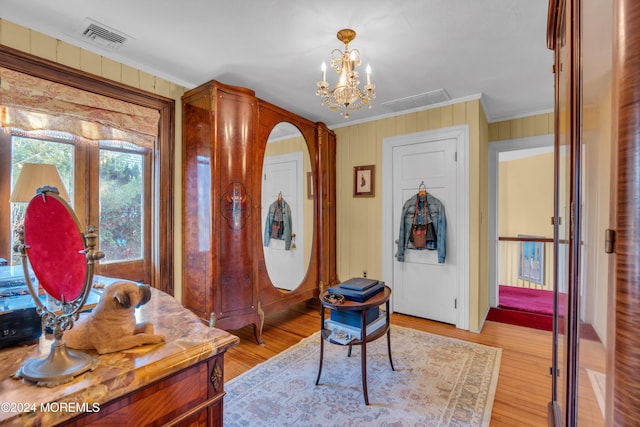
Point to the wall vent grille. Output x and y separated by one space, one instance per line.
103 36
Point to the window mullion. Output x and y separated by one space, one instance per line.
91 178
80 183
5 190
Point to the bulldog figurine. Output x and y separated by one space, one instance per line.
111 325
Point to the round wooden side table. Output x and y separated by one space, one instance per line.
361 308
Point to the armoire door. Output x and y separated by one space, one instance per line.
623 365
596 178
235 296
582 172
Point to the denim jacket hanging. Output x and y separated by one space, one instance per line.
437 212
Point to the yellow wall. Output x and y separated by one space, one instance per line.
541 124
38 44
526 199
359 220
526 196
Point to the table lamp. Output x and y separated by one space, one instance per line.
34 176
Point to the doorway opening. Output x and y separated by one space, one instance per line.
521 202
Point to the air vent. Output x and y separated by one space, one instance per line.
103 36
417 101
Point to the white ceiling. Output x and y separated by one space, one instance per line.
492 48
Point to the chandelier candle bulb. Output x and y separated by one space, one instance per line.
368 74
323 67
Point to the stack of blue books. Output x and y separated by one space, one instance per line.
354 318
358 289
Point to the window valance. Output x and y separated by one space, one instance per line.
30 103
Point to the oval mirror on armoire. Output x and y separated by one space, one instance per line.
287 207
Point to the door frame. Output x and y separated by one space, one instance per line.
461 135
495 148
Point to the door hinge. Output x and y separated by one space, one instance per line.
455 156
553 221
609 241
455 303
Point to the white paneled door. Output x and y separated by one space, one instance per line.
282 174
422 286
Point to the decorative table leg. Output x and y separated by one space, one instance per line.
389 348
389 336
364 373
321 345
363 328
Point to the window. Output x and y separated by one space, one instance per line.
121 182
158 234
32 150
122 195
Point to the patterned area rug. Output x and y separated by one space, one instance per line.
437 381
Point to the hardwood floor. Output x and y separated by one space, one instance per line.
524 384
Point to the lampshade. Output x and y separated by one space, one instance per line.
34 176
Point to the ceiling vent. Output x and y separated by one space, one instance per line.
101 35
418 101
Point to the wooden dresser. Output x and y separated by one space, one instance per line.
179 382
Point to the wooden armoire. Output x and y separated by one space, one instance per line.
225 280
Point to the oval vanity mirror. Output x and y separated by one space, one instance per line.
287 206
56 247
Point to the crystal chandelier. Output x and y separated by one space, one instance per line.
347 95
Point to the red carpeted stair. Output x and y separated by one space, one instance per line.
532 308
528 300
521 318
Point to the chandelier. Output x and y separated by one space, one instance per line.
347 95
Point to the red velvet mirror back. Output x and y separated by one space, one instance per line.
56 248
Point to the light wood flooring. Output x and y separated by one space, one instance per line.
524 384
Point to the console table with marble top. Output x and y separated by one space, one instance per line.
179 382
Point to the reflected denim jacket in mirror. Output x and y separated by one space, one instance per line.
286 222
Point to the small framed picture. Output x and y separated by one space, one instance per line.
364 181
